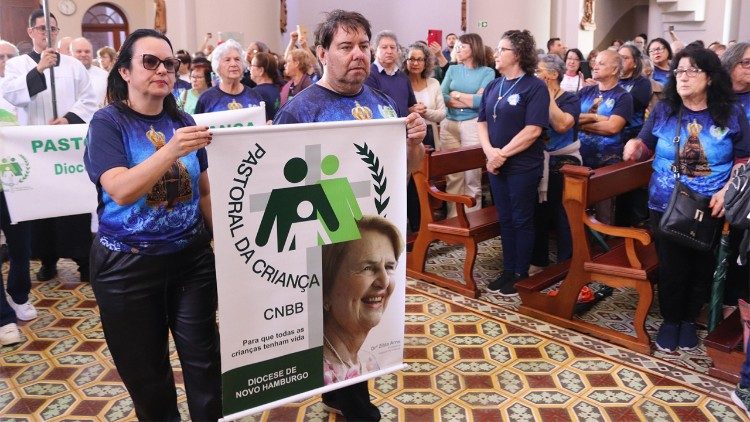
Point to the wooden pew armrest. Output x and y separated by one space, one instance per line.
640 235
630 234
459 199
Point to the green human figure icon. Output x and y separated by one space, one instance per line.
285 206
10 166
345 206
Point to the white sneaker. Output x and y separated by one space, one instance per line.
24 311
9 334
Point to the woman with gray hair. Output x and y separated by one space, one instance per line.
230 93
736 60
430 105
560 148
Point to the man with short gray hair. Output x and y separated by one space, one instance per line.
605 109
386 75
82 50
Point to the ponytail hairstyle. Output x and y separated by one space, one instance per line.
117 88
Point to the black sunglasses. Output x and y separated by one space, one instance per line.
151 62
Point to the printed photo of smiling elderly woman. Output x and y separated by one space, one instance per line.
358 281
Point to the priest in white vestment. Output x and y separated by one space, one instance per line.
27 86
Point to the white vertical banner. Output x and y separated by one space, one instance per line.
42 171
309 224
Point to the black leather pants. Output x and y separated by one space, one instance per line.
141 299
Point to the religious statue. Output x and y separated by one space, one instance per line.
587 22
282 16
160 16
463 15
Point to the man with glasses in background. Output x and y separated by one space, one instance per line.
27 86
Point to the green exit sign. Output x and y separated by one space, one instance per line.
482 24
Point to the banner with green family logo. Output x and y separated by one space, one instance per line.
309 224
42 172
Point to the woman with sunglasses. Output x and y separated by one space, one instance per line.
231 94
714 138
152 266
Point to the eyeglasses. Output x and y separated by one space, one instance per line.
415 59
502 49
7 56
196 77
656 50
745 63
43 28
692 72
575 59
539 70
151 62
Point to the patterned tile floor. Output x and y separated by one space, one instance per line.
469 360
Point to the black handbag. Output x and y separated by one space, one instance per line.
687 219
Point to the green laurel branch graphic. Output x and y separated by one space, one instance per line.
379 181
27 167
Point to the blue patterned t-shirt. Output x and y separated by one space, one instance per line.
601 150
640 89
270 95
319 104
166 219
707 151
745 101
660 75
570 104
214 99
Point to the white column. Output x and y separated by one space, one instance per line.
565 23
253 20
181 24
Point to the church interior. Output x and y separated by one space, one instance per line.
470 357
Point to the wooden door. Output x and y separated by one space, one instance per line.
14 19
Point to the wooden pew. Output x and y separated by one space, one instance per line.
466 228
724 347
631 262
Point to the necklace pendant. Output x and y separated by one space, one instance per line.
499 97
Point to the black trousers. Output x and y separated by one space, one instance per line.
62 237
685 277
141 299
354 402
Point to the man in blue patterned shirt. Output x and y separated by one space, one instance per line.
343 47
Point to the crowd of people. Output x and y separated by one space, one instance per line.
530 110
